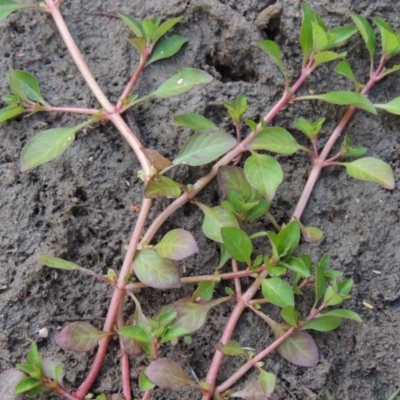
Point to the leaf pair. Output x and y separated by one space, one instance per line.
149 31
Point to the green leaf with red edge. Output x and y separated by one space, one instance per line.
323 323
79 337
155 271
300 349
311 234
342 313
278 292
264 173
48 145
11 112
204 147
237 243
186 79
168 374
167 48
9 379
216 218
162 186
177 244
276 140
194 121
259 389
7 7
372 170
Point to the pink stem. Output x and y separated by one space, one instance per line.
75 110
126 378
117 298
238 286
319 162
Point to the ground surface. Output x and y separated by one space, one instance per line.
79 206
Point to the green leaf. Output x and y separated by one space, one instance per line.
341 313
33 357
133 24
390 42
214 219
306 32
177 244
310 129
344 69
26 384
272 49
167 48
344 97
372 170
366 32
144 382
338 36
320 38
204 147
387 71
233 179
332 297
311 234
47 146
300 349
9 6
237 109
224 257
136 332
276 140
205 290
278 292
327 56
258 210
164 28
296 265
323 323
79 337
9 379
287 239
231 348
320 279
148 28
55 262
140 43
162 186
392 106
290 315
11 112
155 271
237 243
184 80
27 83
194 121
264 173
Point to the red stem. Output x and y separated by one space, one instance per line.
126 378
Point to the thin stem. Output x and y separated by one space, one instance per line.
117 297
238 286
80 62
319 162
126 378
146 395
75 110
196 279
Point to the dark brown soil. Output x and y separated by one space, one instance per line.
79 206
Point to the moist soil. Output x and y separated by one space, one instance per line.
82 205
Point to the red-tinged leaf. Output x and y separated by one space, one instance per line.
231 348
132 346
53 368
260 389
167 374
9 380
311 234
177 244
192 316
79 337
300 349
155 271
157 160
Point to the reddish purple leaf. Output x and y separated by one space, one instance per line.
79 337
9 379
177 245
259 389
53 368
155 271
167 374
300 349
